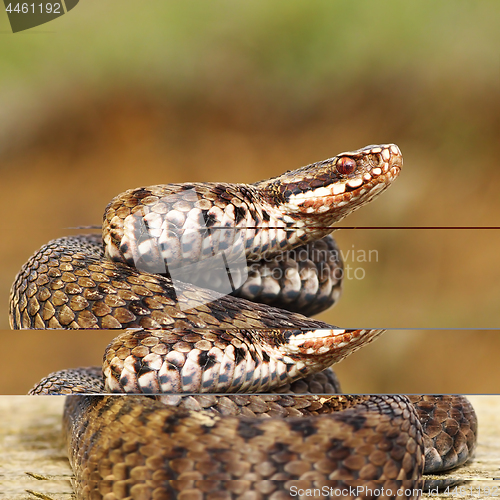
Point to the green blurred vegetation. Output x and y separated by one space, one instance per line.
428 69
286 46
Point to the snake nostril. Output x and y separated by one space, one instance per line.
345 166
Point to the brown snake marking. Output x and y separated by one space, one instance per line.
199 341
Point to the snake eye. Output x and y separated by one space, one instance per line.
346 166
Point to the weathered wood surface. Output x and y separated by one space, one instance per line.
30 442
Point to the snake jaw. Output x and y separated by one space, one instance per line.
325 340
305 352
324 347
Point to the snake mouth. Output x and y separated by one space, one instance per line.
331 344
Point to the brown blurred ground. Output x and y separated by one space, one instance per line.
400 361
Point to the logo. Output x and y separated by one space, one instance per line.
26 15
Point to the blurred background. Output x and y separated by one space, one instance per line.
122 93
400 361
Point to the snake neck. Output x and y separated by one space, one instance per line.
250 361
178 225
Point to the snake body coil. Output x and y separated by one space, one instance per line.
192 339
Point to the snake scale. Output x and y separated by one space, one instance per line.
243 406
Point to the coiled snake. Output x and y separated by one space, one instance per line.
162 248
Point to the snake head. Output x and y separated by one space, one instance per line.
333 188
309 351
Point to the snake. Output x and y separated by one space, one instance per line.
226 386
